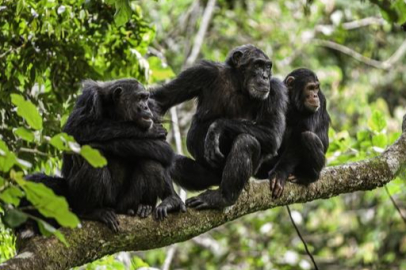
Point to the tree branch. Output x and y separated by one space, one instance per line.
95 240
387 64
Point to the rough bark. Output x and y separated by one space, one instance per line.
94 240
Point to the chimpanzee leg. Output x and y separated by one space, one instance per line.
241 163
132 191
171 201
92 194
313 158
191 175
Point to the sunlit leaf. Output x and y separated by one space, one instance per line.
377 122
11 195
45 200
93 156
123 12
24 134
28 111
47 230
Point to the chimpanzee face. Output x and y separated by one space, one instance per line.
258 78
131 101
304 90
310 96
255 70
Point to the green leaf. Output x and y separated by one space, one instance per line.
49 204
28 111
12 195
24 134
93 156
14 218
380 140
7 158
47 230
64 142
17 99
377 122
123 12
2 182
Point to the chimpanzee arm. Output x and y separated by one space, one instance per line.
104 130
186 86
157 150
323 122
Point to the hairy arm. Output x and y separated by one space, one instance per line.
104 130
186 86
157 150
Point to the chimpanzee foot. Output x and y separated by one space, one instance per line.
210 199
292 178
104 215
277 184
144 210
169 204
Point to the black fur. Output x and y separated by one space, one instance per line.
240 120
305 141
115 118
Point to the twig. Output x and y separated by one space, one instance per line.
400 52
395 204
169 257
301 238
32 151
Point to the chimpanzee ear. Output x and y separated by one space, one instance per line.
237 57
117 92
289 80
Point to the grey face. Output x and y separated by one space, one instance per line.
258 78
132 104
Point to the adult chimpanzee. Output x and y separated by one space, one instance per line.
305 141
240 119
138 167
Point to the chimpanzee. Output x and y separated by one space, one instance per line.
305 142
240 120
138 156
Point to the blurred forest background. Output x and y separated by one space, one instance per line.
357 48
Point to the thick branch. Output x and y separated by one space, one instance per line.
94 240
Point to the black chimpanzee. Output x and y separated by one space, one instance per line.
115 118
240 120
305 142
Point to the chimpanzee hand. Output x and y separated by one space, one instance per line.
277 183
158 132
212 152
210 199
170 204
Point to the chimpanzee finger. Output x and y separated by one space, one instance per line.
139 210
196 202
130 212
272 184
144 211
182 207
202 206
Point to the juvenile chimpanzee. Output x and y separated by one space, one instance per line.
305 141
240 119
138 156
